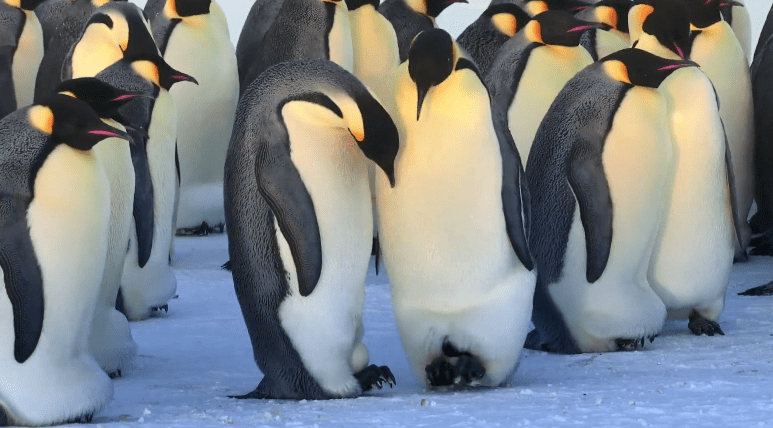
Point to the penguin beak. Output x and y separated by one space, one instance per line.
109 132
422 91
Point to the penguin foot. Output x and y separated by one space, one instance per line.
454 367
440 372
159 308
762 245
254 395
203 229
87 418
762 290
470 369
533 341
631 344
375 376
115 374
699 325
760 223
226 266
3 418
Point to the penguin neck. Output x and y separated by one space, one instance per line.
650 43
418 6
95 52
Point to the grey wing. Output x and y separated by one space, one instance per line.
22 276
733 194
591 189
153 8
515 195
259 20
281 185
7 91
761 74
143 198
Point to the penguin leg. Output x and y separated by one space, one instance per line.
375 376
762 290
262 392
700 325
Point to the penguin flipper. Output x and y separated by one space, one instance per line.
589 183
733 196
143 198
7 94
22 277
516 201
281 185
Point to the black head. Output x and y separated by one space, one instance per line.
556 27
153 68
186 8
641 68
71 121
356 4
704 13
667 20
30 4
103 98
508 18
613 13
380 141
431 60
434 7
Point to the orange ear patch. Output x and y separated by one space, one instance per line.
533 31
148 70
618 71
42 118
639 13
505 23
607 15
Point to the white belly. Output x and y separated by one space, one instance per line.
547 71
70 211
27 59
205 52
326 326
694 254
340 39
637 161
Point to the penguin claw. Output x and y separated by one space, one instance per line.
374 376
115 374
89 417
630 344
699 325
203 229
164 307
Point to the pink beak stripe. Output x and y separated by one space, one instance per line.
580 28
707 2
672 67
179 77
578 8
101 132
679 51
123 97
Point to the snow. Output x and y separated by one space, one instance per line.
191 358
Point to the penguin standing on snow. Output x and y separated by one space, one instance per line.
304 29
193 38
21 49
300 226
531 69
452 231
595 216
411 17
483 38
55 197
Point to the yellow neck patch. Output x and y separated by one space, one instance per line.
618 71
606 15
42 118
534 8
533 31
148 70
505 23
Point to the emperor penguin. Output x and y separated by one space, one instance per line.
453 229
153 8
55 197
716 49
147 281
532 67
765 33
613 36
300 226
693 255
110 338
661 27
72 23
376 58
761 74
734 12
258 21
21 49
598 172
485 36
304 29
411 17
193 38
50 13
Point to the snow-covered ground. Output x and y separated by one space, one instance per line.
193 357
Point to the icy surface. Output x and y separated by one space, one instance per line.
192 358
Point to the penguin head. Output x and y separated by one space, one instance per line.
431 8
704 13
641 68
154 69
103 98
613 13
507 18
431 60
556 27
667 20
186 8
356 4
70 121
24 4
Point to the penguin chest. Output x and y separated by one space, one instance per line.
375 51
340 39
160 149
546 72
26 60
68 224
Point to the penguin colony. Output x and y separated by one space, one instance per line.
586 166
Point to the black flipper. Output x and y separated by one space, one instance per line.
8 94
282 187
589 183
516 202
22 276
733 195
143 198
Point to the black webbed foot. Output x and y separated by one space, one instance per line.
254 395
203 229
699 325
533 341
762 245
762 290
631 344
470 369
3 418
375 376
440 372
115 374
87 418
165 308
226 266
